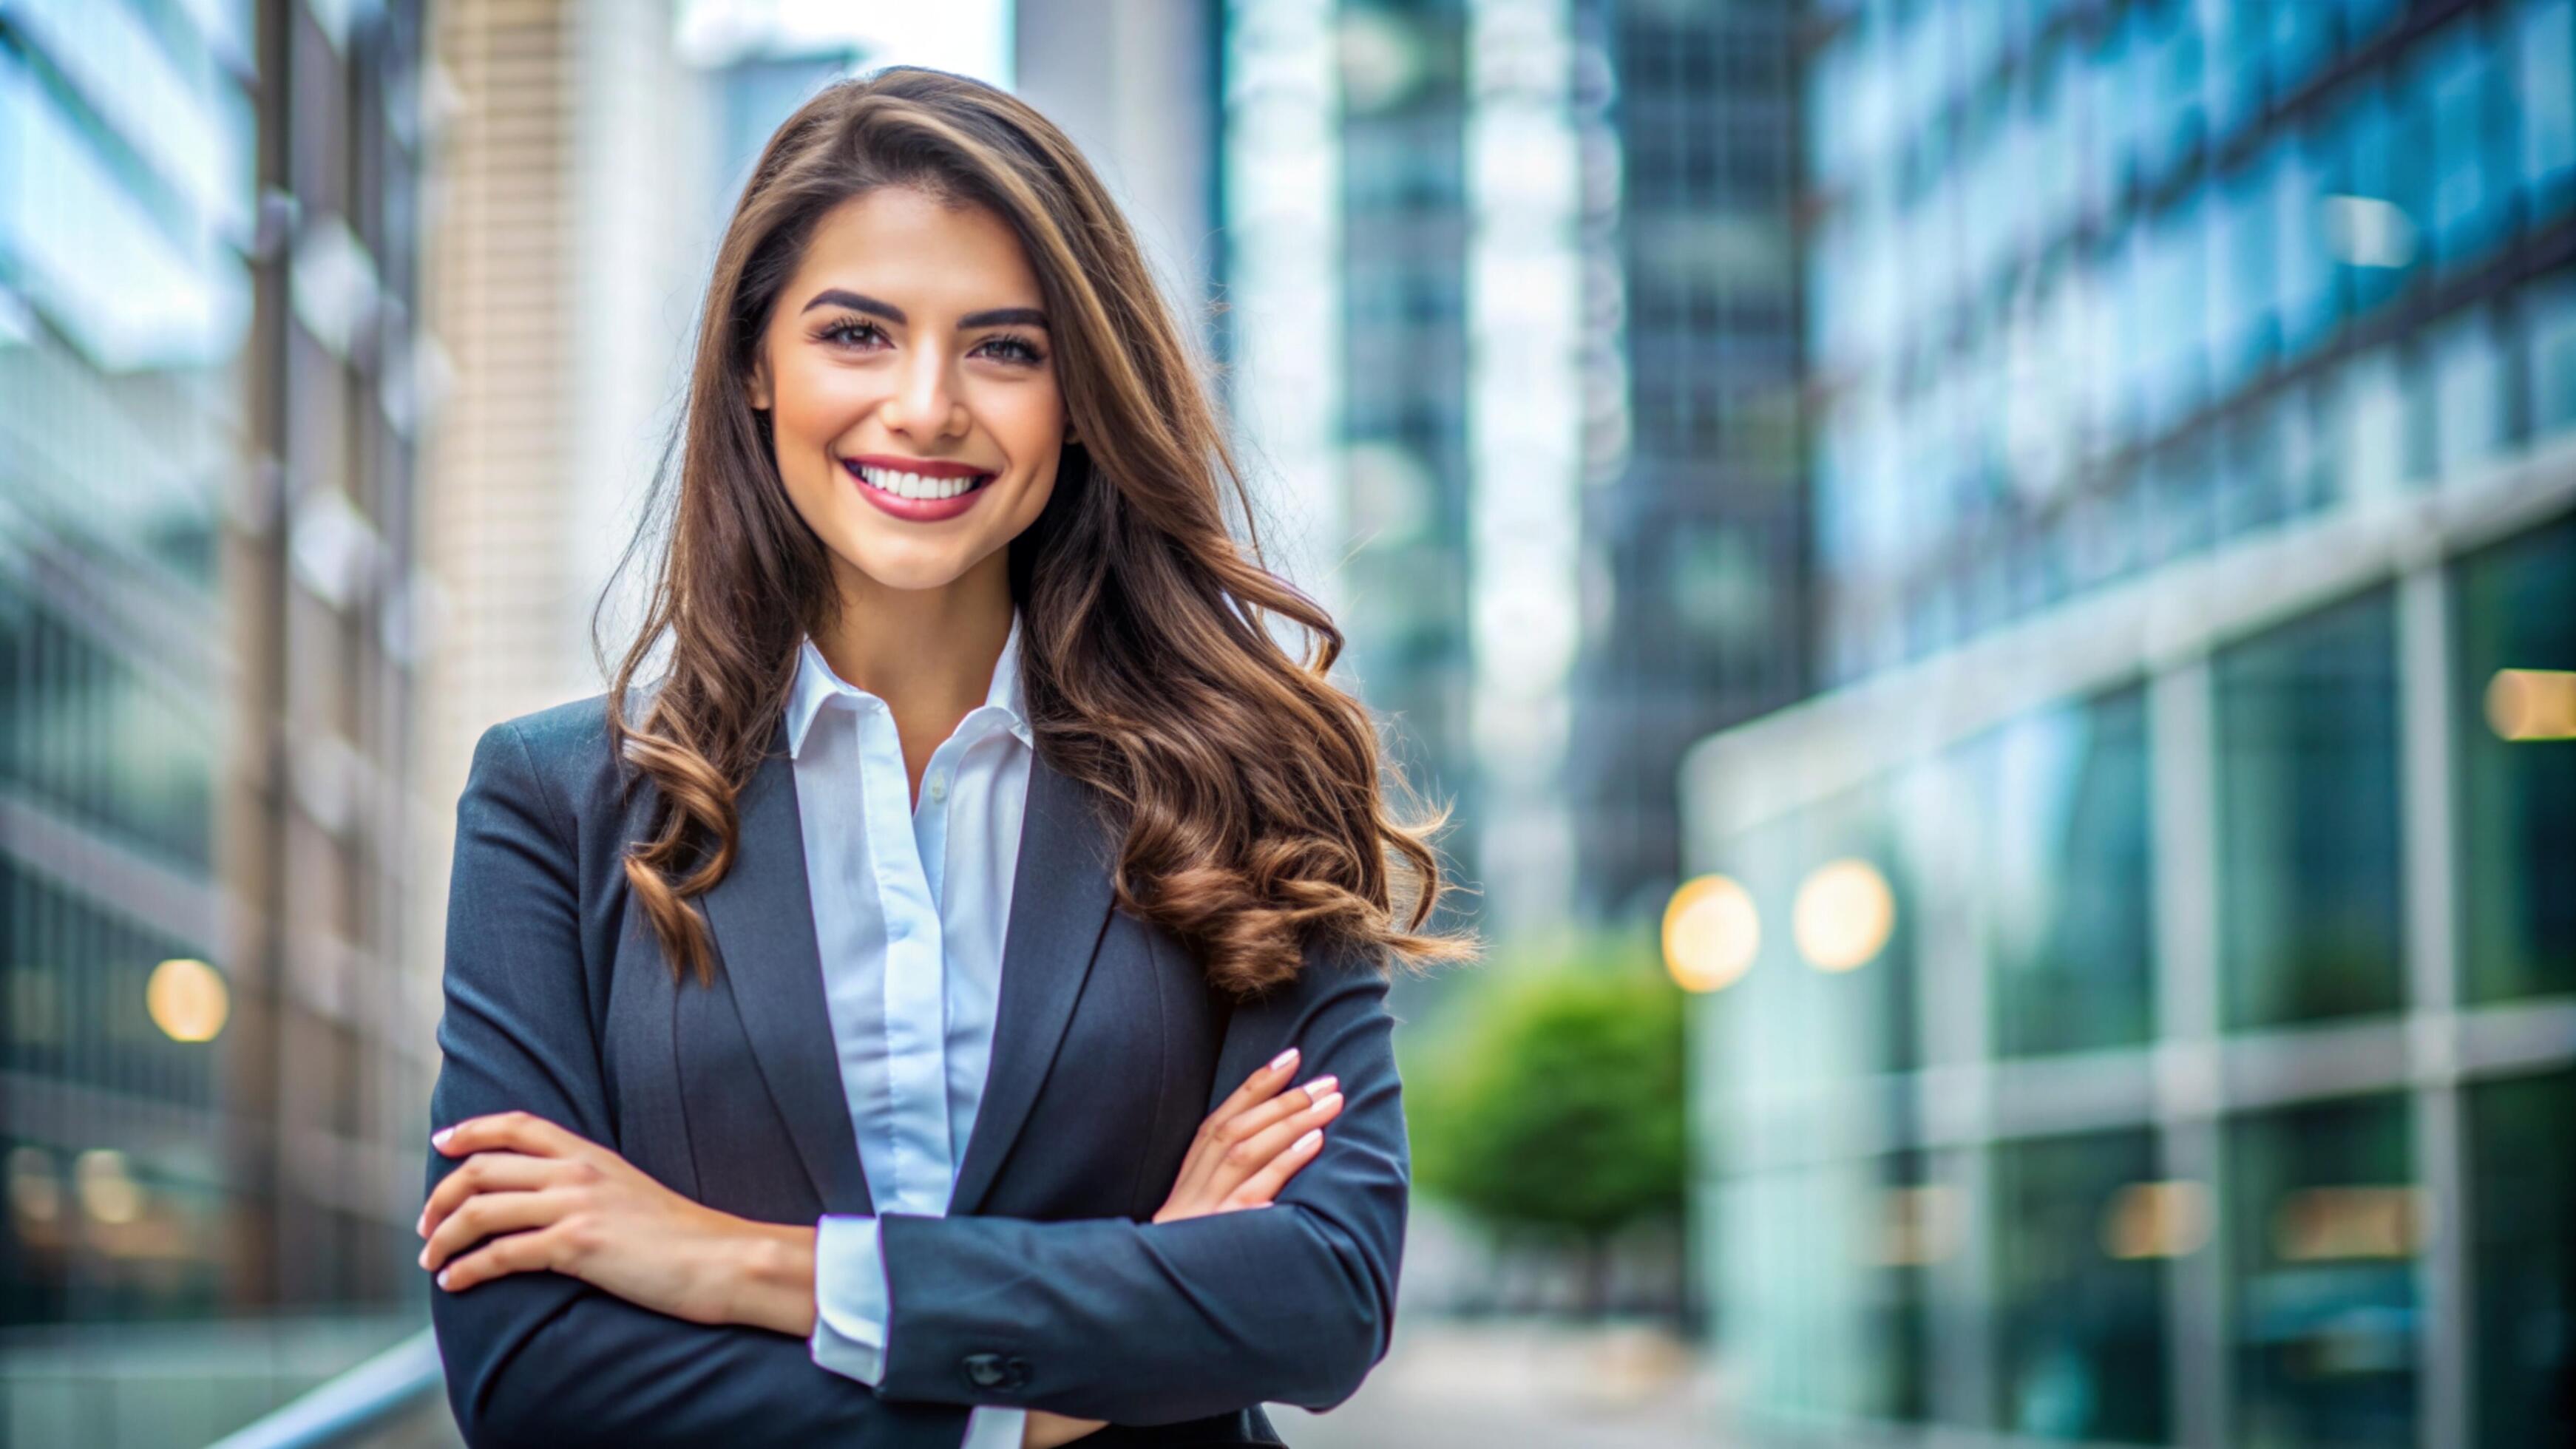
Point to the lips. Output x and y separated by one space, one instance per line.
925 493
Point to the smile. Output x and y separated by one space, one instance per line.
938 491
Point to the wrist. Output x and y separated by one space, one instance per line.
771 1268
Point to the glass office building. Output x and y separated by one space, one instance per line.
1694 517
2149 1003
211 1067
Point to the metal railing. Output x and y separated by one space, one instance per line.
349 1404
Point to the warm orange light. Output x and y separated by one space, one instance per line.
2532 704
187 1000
1711 933
2156 1220
2330 1224
1843 915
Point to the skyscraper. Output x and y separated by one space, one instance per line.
1695 511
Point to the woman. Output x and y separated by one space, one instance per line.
890 1027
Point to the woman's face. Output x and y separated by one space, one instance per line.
911 388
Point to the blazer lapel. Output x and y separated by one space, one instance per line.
1060 899
762 914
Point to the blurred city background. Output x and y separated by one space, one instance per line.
1993 583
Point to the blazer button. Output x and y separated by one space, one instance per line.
985 1370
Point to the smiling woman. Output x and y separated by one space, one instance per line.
915 1015
927 385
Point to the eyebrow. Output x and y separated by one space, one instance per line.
994 317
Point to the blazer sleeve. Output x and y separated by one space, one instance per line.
1145 1323
544 1359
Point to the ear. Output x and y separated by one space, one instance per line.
756 391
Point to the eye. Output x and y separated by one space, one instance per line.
851 331
1014 348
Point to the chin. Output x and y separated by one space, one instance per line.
910 568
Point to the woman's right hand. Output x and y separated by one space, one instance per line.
1254 1141
1245 1151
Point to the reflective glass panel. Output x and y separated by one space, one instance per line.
2522 1198
2514 609
2069 878
2080 1288
2324 1225
2308 818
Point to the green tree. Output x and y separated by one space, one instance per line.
1553 1108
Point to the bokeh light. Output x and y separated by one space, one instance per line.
2156 1220
1712 932
187 999
2532 704
107 1189
1843 915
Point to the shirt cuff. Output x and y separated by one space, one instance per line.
990 1427
850 1304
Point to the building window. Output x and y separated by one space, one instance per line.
2308 819
2522 1196
2080 1231
2325 1223
2069 877
2514 609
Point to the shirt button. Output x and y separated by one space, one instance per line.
938 788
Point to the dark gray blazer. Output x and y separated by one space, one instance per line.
1047 1286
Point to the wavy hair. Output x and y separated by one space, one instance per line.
1254 801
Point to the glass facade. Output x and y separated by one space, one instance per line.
2080 1342
2324 1225
2523 1195
2309 905
2514 608
2081 281
2072 926
1695 520
207 255
2190 405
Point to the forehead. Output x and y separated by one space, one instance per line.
931 257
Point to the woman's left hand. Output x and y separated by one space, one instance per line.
538 1197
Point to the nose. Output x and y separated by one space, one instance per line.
924 403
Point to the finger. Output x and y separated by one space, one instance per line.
1260 1118
1256 1088
526 1252
1259 1189
490 1215
486 1172
512 1131
1247 1158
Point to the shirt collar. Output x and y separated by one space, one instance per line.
817 685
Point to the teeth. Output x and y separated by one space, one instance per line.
913 485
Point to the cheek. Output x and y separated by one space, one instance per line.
815 405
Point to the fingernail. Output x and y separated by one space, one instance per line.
424 1257
1308 1143
1283 1059
1329 1099
1316 1089
439 1137
442 1276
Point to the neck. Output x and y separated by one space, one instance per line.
922 651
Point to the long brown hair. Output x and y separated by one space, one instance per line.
1254 800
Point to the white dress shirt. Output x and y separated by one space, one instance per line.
910 907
